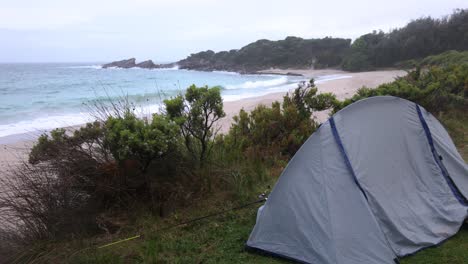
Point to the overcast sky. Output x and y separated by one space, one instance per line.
105 30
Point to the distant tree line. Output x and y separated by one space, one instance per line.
263 54
418 39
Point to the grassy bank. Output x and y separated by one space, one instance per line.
221 239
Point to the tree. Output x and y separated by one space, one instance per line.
418 39
196 113
132 138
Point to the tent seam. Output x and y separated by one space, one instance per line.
345 155
456 192
348 163
326 197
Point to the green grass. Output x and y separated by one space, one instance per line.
217 240
453 251
221 239
456 123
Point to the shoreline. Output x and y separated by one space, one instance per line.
12 147
343 88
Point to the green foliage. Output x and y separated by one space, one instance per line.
87 140
357 61
281 128
437 88
116 162
264 54
196 113
132 138
418 39
45 147
445 59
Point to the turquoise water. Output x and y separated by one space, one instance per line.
39 97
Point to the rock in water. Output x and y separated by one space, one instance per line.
149 64
130 63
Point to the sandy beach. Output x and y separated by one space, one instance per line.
15 148
342 88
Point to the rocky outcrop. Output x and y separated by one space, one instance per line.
149 64
130 63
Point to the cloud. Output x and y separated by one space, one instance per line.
69 30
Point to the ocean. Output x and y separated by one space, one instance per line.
35 98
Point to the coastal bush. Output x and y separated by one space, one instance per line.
438 89
445 59
147 154
48 204
282 128
132 138
112 163
122 160
196 113
86 141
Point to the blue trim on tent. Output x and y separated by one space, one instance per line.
269 253
438 160
345 156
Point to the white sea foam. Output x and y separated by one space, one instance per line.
259 84
227 72
46 123
84 67
43 124
277 89
283 87
175 68
326 78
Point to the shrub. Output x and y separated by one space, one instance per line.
44 202
132 138
446 59
196 112
81 157
281 128
437 89
87 142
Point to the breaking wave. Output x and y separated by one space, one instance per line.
84 67
259 84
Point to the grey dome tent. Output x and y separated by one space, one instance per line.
381 179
